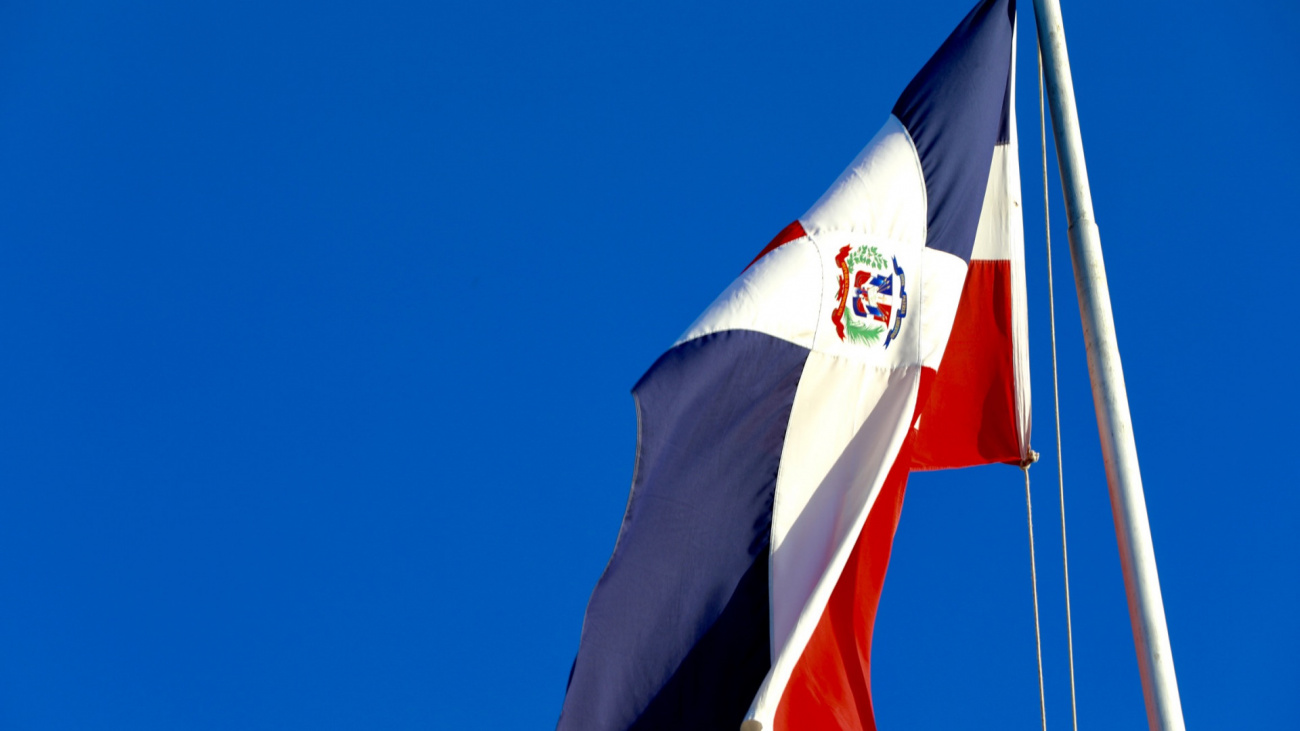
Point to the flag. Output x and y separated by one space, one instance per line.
882 331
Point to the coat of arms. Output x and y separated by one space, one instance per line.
872 297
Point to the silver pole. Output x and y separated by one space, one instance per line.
1133 531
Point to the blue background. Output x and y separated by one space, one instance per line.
318 320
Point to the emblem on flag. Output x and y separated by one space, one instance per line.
872 296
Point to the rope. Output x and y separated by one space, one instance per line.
1056 396
1033 575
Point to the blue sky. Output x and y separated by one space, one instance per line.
318 323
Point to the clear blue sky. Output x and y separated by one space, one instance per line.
318 321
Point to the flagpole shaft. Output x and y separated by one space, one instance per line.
1110 399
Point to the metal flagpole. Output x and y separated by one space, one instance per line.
1133 531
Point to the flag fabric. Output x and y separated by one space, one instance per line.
882 331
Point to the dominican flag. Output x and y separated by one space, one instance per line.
881 332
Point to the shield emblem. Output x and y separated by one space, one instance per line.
872 295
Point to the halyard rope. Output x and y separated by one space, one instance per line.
1056 399
1033 576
